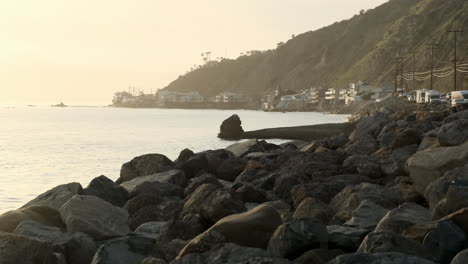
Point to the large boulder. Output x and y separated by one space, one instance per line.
78 248
461 258
145 208
367 215
161 189
230 168
107 190
194 183
175 176
251 229
187 229
445 239
314 208
232 253
23 250
144 165
438 189
344 237
454 133
379 258
244 148
429 165
57 196
127 250
456 198
296 236
41 214
231 128
403 216
95 217
196 199
221 203
406 137
369 126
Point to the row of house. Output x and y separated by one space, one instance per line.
196 97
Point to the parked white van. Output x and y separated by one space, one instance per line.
421 96
459 98
432 97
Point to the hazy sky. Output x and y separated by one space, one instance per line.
81 52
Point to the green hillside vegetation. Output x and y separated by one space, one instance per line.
361 48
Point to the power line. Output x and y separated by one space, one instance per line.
455 32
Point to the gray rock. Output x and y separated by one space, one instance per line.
454 133
246 147
95 217
151 260
318 256
126 250
252 229
364 145
230 168
367 215
296 236
445 239
364 165
456 199
196 199
161 189
184 155
311 207
164 210
78 248
403 216
41 214
221 203
175 176
23 250
369 126
379 258
251 194
438 189
56 196
231 253
461 258
107 190
185 229
429 165
151 228
380 242
261 155
194 183
408 136
144 165
346 238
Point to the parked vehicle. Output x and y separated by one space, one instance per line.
459 98
432 97
421 96
412 96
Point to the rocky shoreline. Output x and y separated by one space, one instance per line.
394 190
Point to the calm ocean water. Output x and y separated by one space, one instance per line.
41 147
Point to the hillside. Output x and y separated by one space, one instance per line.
361 48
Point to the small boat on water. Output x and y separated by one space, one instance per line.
59 105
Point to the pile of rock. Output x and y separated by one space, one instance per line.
393 191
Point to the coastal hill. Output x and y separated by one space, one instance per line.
361 48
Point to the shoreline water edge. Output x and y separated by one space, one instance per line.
391 189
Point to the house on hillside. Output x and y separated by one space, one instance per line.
177 97
228 97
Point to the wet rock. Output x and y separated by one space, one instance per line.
56 196
230 168
126 250
429 165
41 214
78 248
318 256
296 236
176 177
252 229
261 156
23 250
231 128
231 253
344 237
313 208
367 215
379 258
454 133
380 242
403 216
143 166
107 190
95 217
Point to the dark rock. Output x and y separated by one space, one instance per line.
261 156
194 166
454 133
230 168
194 183
438 189
231 128
456 199
367 215
56 196
138 202
379 258
318 256
446 239
346 238
252 228
143 166
165 210
363 165
369 126
232 253
184 155
215 158
409 136
365 144
78 248
251 194
161 189
221 203
456 116
185 230
403 216
175 176
395 164
107 190
283 185
95 217
296 236
387 135
380 242
151 260
314 208
244 148
41 214
23 250
428 142
460 218
127 250
461 258
150 228
404 186
195 200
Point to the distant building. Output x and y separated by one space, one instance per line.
228 97
335 96
177 97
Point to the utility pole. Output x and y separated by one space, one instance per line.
414 69
398 72
455 33
433 46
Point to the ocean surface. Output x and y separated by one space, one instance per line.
42 147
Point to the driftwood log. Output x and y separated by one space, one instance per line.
231 129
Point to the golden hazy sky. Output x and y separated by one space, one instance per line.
81 52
